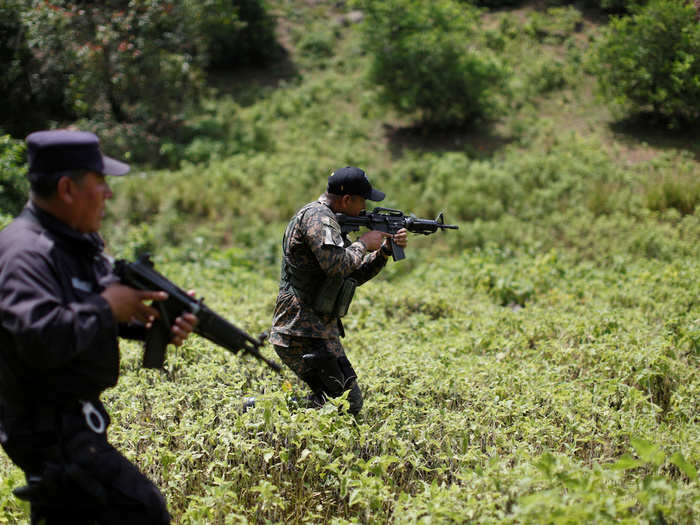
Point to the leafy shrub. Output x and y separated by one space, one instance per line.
316 43
650 61
495 4
127 71
546 75
135 64
554 25
240 32
427 60
681 192
616 6
26 92
13 184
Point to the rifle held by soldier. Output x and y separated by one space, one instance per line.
391 221
141 275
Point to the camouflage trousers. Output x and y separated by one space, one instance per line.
323 365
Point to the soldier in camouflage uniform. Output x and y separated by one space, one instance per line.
320 270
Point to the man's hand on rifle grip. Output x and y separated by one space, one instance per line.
128 304
373 239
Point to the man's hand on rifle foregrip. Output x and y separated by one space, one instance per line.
400 238
184 325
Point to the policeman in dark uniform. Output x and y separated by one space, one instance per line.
61 312
320 270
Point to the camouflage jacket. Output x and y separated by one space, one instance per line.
315 243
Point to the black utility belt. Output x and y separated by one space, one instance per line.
44 416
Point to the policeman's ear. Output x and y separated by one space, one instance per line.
65 190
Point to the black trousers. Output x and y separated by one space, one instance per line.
75 476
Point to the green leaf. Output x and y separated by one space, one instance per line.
304 454
625 462
686 467
355 497
648 451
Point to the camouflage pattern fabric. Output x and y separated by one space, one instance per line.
315 243
316 377
293 348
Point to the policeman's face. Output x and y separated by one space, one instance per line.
89 196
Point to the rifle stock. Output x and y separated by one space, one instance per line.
141 275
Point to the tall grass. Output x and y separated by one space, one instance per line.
538 365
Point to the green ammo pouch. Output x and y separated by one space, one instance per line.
334 296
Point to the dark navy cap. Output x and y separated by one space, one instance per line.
352 181
61 150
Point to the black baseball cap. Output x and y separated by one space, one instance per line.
62 150
352 181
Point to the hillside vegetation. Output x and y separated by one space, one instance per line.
538 365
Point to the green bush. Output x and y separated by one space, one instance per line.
554 25
315 44
679 191
650 61
616 6
32 92
126 70
240 32
428 60
13 184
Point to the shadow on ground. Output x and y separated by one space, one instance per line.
477 143
644 129
247 85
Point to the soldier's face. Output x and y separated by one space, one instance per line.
353 205
89 194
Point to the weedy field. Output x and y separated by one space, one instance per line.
538 365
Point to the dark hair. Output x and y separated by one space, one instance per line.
44 185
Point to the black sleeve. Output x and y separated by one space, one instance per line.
47 329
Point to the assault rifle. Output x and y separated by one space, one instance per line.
391 221
141 275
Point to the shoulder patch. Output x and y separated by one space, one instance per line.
331 232
331 223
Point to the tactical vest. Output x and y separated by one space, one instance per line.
332 297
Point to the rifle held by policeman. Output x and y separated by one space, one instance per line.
141 275
391 221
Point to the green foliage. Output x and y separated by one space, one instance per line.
14 186
316 43
27 93
239 32
514 415
538 365
555 24
616 6
677 187
648 61
126 70
427 60
135 63
496 4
